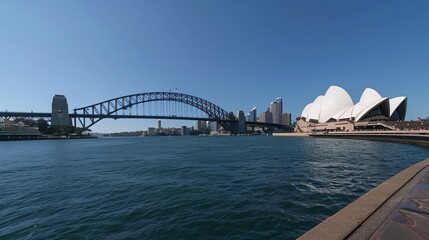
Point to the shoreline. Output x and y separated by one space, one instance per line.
420 138
41 137
294 134
416 139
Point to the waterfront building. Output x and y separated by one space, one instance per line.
60 111
8 128
159 124
286 119
248 117
185 131
335 111
266 117
151 131
421 119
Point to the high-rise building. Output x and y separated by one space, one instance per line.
280 101
253 115
201 125
286 119
266 117
241 122
159 124
240 115
60 111
214 126
276 109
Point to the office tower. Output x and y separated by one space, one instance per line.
286 119
201 125
241 122
280 101
253 115
214 126
276 109
266 117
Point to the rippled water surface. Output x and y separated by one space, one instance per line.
186 187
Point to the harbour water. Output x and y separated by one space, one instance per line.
186 187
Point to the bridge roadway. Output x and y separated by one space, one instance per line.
25 114
113 116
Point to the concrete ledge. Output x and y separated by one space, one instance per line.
422 140
345 222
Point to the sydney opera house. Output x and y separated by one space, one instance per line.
335 111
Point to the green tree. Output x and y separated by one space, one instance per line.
43 126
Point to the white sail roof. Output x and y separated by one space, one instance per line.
337 104
369 96
369 108
336 99
315 108
347 114
306 110
338 115
394 104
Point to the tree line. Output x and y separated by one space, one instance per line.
46 129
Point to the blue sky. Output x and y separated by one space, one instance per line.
236 54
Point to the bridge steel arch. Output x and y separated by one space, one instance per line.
96 112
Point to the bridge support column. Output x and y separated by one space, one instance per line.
60 111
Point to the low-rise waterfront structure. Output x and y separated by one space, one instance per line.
17 129
185 131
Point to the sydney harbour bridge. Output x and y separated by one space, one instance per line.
149 105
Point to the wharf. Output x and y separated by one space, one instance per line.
290 134
396 209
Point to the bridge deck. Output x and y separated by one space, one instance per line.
120 116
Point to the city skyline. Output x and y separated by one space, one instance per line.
238 55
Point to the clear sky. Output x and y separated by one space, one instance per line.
236 54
